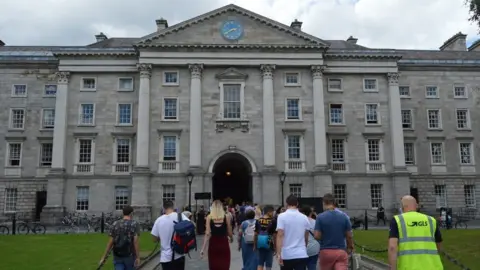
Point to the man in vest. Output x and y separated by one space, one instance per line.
414 240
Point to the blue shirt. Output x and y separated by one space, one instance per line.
333 225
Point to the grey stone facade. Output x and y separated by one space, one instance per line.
263 42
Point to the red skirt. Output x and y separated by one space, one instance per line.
218 253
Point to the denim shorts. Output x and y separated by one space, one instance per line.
124 263
265 257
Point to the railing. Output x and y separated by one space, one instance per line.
339 166
168 166
84 168
121 168
295 166
375 167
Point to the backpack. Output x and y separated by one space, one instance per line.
264 239
123 241
313 246
183 238
249 233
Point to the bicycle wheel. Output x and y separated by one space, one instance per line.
4 230
460 225
23 229
39 229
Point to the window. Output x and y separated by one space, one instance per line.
336 114
17 118
294 155
87 114
431 92
459 91
19 90
170 109
372 114
404 91
436 153
292 79
11 196
82 198
85 155
48 118
376 194
46 153
121 197
370 85
122 155
124 114
441 196
169 154
466 153
469 191
409 149
89 84
14 154
434 119
125 84
293 109
50 90
463 119
374 153
170 78
232 101
296 190
340 194
335 85
168 193
407 119
338 155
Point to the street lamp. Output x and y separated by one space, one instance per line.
282 177
190 180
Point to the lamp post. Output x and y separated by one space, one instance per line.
190 180
282 177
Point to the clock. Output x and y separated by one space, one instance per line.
231 30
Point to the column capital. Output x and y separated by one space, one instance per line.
196 70
393 77
145 70
62 77
317 71
267 71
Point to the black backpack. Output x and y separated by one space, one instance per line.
123 241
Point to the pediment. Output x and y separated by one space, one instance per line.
231 74
205 30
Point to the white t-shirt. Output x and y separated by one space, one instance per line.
163 229
294 224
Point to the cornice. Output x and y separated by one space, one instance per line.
96 53
232 46
345 55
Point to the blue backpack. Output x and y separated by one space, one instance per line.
183 238
264 239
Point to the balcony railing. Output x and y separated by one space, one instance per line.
168 166
295 165
375 167
339 166
83 168
121 168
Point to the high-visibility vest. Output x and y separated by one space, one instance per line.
417 249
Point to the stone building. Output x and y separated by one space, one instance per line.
233 99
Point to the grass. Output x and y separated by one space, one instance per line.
463 245
59 252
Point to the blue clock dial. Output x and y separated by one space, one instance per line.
231 30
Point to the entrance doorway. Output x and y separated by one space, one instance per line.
40 203
232 178
414 193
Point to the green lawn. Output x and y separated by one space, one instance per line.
463 245
59 252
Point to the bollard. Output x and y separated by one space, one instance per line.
14 223
102 223
365 226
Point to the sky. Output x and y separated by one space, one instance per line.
400 24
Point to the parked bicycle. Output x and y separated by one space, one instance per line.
4 230
25 227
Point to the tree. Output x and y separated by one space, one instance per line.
474 8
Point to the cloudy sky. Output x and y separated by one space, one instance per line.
406 24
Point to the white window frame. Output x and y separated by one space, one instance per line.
119 89
169 166
443 154
302 152
400 93
20 96
82 84
295 189
78 188
13 198
464 89
472 153
40 156
119 191
42 124
7 157
118 114
77 156
242 99
164 78
469 127
414 150
170 188
45 90
333 89
439 198
10 119
437 95
411 119
376 89
375 165
381 199
379 117
300 117
122 167
177 118
337 192
440 119
80 115
470 198
299 78
330 115
338 166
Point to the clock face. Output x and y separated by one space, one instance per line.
231 30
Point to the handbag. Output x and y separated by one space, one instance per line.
313 246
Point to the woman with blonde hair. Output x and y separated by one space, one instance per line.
217 235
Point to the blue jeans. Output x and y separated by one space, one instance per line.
249 257
312 262
124 263
265 257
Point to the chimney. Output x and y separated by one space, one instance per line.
161 24
2 43
475 46
101 37
456 43
296 25
352 40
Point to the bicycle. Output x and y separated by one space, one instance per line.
27 227
461 224
4 230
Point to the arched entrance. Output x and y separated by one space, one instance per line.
232 178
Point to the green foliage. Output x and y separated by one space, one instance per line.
474 8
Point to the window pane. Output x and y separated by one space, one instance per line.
46 154
88 114
168 193
170 109
85 151
340 194
171 77
82 198
121 197
376 195
18 118
124 114
294 147
231 101
169 148
123 151
50 90
14 154
293 109
48 118
296 190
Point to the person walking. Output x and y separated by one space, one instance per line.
381 215
313 246
265 238
217 235
333 229
413 233
292 237
123 242
246 241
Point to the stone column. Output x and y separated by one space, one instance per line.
319 119
195 116
268 117
396 129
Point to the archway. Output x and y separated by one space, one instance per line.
232 178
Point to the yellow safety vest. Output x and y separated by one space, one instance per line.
417 249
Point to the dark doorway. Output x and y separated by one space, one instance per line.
232 178
414 193
316 203
40 203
